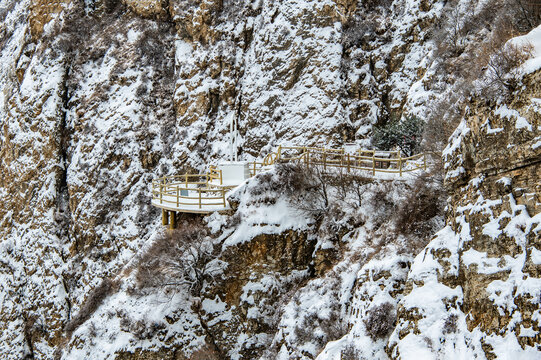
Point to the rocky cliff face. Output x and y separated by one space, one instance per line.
482 270
100 97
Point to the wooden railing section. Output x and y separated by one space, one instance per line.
370 160
193 192
189 190
215 174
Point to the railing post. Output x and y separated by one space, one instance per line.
348 163
400 163
324 160
199 191
161 193
279 153
374 163
424 157
178 196
223 196
221 177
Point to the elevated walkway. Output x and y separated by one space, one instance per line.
370 161
191 193
206 193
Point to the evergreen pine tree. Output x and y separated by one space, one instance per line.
405 134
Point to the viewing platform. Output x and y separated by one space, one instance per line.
207 193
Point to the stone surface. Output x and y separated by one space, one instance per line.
93 108
482 262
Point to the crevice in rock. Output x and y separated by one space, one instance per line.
523 165
63 210
210 337
28 324
68 300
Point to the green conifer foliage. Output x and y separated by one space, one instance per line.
405 134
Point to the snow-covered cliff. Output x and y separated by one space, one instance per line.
99 97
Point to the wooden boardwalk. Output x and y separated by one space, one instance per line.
373 161
206 193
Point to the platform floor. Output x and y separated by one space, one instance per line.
208 204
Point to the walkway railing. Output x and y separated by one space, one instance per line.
205 193
215 174
371 160
189 191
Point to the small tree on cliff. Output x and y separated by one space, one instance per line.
405 134
183 258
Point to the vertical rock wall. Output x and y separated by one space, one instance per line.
476 288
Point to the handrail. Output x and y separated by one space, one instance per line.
215 174
168 192
206 190
256 167
373 160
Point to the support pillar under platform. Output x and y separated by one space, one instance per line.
172 220
165 217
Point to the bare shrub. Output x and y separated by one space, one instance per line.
109 6
380 321
266 182
443 117
92 330
374 4
332 328
76 28
234 220
142 329
232 10
423 203
450 35
365 24
179 258
502 75
94 299
79 26
350 187
332 223
294 178
308 187
358 31
471 45
350 352
381 198
450 325
525 14
151 45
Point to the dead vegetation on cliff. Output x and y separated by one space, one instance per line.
181 259
473 58
338 202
